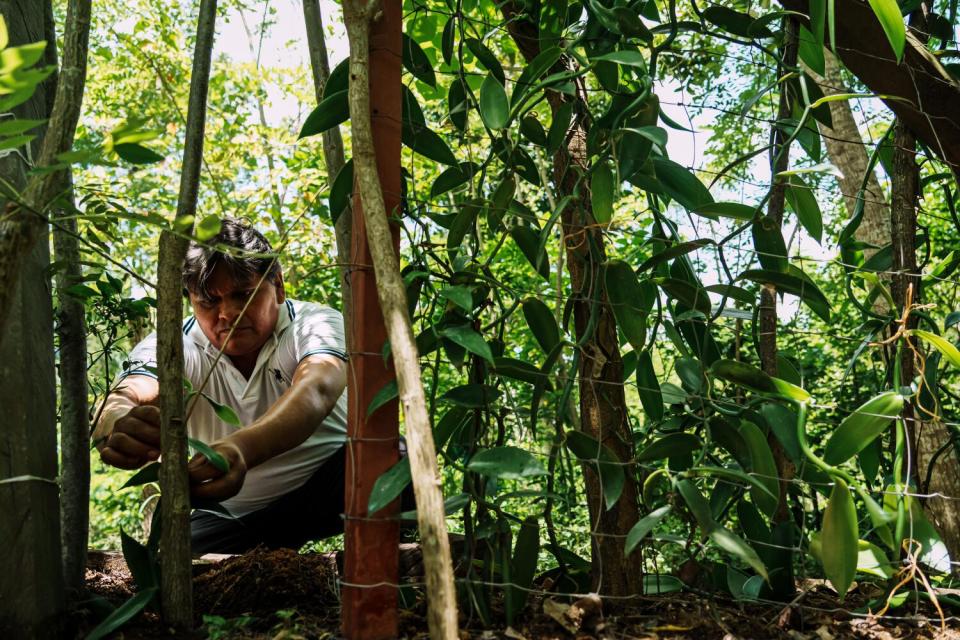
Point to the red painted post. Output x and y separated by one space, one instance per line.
371 544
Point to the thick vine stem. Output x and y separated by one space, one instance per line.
441 595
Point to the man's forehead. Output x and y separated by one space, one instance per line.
222 282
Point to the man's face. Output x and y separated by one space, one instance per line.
219 311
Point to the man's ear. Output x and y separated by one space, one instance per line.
278 284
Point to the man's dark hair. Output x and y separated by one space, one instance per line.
238 248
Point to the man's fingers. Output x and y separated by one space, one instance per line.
132 447
120 460
144 431
148 413
222 488
203 471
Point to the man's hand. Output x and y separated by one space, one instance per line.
206 481
135 439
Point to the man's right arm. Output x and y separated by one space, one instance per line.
128 432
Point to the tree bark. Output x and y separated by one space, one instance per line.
441 595
603 409
783 584
31 574
175 576
333 153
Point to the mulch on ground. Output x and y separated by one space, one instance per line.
283 595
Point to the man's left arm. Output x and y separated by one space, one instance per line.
318 382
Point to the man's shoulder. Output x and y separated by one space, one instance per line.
304 312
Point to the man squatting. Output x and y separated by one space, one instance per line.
283 371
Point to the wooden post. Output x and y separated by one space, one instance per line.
371 544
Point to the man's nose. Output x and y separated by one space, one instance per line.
230 310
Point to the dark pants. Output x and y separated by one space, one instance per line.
310 512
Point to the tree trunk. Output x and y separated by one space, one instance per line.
848 153
176 578
783 584
603 409
441 595
31 575
333 153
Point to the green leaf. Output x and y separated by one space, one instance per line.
644 526
494 107
757 485
533 71
342 191
626 297
529 243
517 370
690 295
734 210
769 244
541 323
649 387
453 178
208 227
754 379
466 337
697 504
805 205
224 412
862 427
674 444
681 184
207 451
559 126
731 21
427 143
138 561
839 538
417 62
810 51
27 55
472 396
763 465
389 485
941 344
486 57
447 39
656 584
623 58
136 153
123 614
603 461
332 110
460 295
523 567
458 104
735 546
794 285
149 473
17 126
386 393
339 79
553 20
602 193
508 463
675 251
888 13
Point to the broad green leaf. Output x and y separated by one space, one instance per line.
783 423
794 285
649 387
465 336
735 546
731 21
604 463
529 243
692 296
810 51
509 463
602 193
532 72
764 466
123 614
518 370
17 126
452 178
656 584
542 323
494 107
769 244
447 39
644 526
458 104
417 62
472 396
389 485
532 130
631 25
208 227
339 79
839 538
941 344
888 13
559 126
223 411
681 184
138 561
207 451
15 58
526 551
553 20
626 298
757 485
136 153
698 505
805 205
673 444
387 393
752 378
735 210
332 110
862 427
342 191
149 473
624 58
487 58
460 295
427 143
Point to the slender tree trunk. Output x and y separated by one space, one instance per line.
333 153
74 420
441 595
603 408
176 585
783 584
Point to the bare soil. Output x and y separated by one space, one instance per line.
282 595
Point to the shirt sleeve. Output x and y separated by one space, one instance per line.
318 330
142 361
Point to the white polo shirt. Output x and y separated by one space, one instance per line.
303 329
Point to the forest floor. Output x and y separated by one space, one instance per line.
282 595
